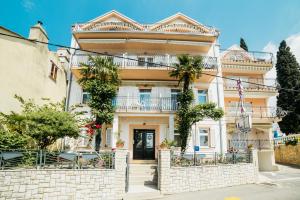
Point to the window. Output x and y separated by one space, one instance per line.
202 96
150 61
141 61
203 137
174 98
53 72
108 137
85 97
177 138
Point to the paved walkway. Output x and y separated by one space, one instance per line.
281 185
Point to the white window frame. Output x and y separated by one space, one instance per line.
204 134
200 94
84 93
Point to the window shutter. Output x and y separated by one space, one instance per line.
212 137
195 91
108 137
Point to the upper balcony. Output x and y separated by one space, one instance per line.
146 66
240 61
252 87
258 113
114 31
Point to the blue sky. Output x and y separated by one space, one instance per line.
259 22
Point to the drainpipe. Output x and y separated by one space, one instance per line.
219 104
69 83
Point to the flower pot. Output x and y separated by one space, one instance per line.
120 145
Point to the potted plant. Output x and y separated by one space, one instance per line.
120 143
166 144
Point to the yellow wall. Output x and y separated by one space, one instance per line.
25 69
255 101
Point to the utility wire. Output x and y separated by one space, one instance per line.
132 59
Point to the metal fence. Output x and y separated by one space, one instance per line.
246 144
287 139
187 160
42 159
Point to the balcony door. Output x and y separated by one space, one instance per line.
145 99
143 144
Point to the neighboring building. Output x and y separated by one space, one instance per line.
146 101
30 70
249 67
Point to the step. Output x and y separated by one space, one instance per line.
143 182
141 192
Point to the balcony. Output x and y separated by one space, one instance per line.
147 66
144 61
261 88
259 114
136 104
246 61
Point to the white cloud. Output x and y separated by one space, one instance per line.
292 41
28 5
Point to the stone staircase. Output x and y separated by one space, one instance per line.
142 174
142 182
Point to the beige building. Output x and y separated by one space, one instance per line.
30 69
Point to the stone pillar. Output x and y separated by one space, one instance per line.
120 168
171 127
115 131
254 160
164 166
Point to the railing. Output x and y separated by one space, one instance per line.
38 159
249 84
120 26
135 104
187 160
145 61
240 56
286 139
246 144
253 111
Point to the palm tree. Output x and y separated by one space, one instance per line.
100 78
187 71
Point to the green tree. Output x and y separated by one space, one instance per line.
43 124
288 77
187 71
100 78
243 44
13 140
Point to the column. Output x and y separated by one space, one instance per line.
164 165
171 127
115 131
120 168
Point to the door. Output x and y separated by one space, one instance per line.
143 144
145 99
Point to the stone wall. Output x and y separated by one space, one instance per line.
186 179
287 154
108 184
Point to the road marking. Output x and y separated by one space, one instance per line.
232 198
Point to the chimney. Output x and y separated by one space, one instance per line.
37 32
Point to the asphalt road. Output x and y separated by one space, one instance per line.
281 185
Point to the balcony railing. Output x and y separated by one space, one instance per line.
144 61
135 104
238 56
249 84
256 112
